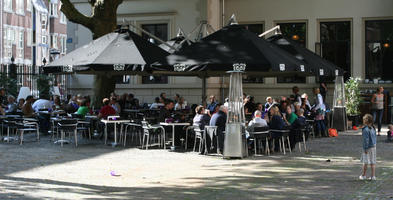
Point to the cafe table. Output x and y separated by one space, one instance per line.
115 122
173 130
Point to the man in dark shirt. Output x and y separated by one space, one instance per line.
219 119
166 111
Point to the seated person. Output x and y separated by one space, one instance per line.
219 119
181 104
42 104
115 105
201 118
296 126
277 123
106 110
83 108
256 122
166 111
290 117
157 104
27 108
21 102
11 106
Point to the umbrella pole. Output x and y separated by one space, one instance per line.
204 91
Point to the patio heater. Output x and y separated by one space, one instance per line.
235 140
339 119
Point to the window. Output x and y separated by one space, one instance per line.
296 31
8 42
28 5
336 44
20 46
63 18
29 37
252 79
8 5
53 9
160 31
43 21
255 28
53 41
63 43
379 49
122 79
20 7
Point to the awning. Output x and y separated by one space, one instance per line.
40 6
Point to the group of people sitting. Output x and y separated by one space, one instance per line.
276 114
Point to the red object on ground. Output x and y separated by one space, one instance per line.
333 132
355 128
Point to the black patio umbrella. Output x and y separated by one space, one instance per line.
233 48
122 52
315 63
177 42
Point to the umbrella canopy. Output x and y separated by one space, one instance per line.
177 42
233 48
316 64
120 52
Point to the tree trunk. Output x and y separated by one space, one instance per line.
103 20
104 84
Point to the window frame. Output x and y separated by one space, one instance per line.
20 7
20 46
8 7
364 42
53 7
29 5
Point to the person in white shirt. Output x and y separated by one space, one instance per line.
42 104
256 122
157 104
181 104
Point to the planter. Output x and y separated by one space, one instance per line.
355 119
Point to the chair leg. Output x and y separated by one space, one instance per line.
255 146
289 144
76 137
267 147
62 137
194 143
21 137
283 143
143 140
147 142
304 143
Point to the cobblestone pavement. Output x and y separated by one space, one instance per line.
47 171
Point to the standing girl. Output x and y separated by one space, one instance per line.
369 152
319 109
377 107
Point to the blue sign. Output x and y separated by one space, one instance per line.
69 40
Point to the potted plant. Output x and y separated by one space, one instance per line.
352 96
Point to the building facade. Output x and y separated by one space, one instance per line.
26 27
356 35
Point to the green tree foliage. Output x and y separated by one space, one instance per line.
9 84
352 95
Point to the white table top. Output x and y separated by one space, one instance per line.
174 124
115 121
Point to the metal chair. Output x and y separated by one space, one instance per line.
135 128
264 134
210 131
198 135
303 131
85 127
283 134
149 129
67 126
27 126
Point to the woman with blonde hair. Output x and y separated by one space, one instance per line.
369 152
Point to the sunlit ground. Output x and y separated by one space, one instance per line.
94 171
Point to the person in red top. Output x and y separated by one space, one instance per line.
106 110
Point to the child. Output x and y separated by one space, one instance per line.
390 133
369 147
